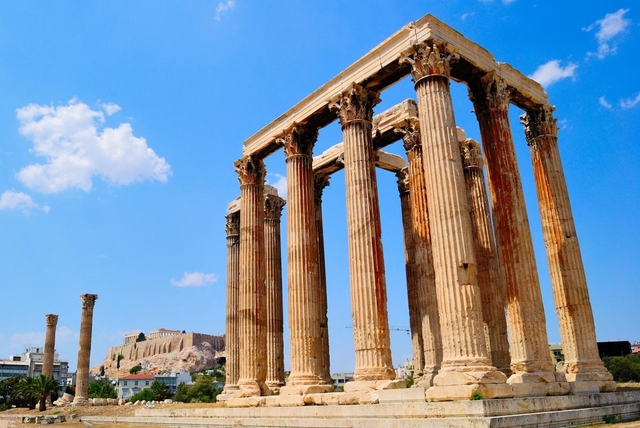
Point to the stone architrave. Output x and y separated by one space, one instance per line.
425 280
273 205
320 182
466 368
417 345
531 365
232 339
354 108
49 344
305 314
84 349
490 277
251 281
582 365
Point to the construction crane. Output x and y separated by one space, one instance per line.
393 327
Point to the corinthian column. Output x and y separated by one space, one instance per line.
84 349
466 368
423 286
354 108
233 272
583 368
320 182
530 359
490 278
252 293
273 277
49 344
304 270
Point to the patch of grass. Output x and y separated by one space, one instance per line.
477 396
610 419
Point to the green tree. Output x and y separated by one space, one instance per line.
161 390
45 387
26 390
120 357
102 389
624 369
146 395
181 393
141 337
135 369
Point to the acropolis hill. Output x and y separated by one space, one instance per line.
164 350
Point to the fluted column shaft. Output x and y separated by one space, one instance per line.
319 184
84 348
413 296
568 280
527 327
303 264
232 339
49 344
490 277
425 280
252 293
368 288
273 279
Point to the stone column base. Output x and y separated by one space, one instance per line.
251 388
305 389
275 387
374 385
80 401
590 383
471 385
426 380
539 384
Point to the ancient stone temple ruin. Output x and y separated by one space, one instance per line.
475 306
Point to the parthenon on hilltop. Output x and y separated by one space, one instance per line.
475 307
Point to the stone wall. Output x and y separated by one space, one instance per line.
164 345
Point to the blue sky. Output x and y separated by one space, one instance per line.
120 122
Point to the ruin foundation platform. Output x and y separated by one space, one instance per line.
402 408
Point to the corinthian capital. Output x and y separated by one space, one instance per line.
403 180
298 140
319 183
356 103
250 170
538 122
88 300
410 134
471 154
51 319
273 205
233 224
490 92
429 58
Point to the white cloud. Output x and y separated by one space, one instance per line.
604 103
630 102
11 200
467 15
279 182
223 7
78 147
610 27
110 108
552 72
194 279
24 340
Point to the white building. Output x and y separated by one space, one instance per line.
30 362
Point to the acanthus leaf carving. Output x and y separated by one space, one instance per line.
429 58
88 300
250 170
298 139
356 103
403 180
538 122
471 154
410 134
273 205
490 92
232 226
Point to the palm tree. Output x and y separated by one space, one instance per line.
27 391
45 385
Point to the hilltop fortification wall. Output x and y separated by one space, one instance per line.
163 345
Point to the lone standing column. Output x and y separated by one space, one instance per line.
583 368
84 349
304 270
466 368
490 277
273 277
425 280
354 108
320 182
233 272
49 344
252 294
531 364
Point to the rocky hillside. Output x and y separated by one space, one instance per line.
195 358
